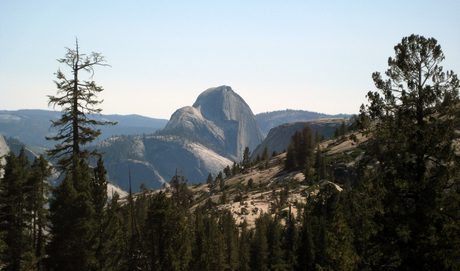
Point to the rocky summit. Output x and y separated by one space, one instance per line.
222 118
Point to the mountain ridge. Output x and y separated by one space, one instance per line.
268 120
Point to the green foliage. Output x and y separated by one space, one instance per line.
167 235
235 168
72 213
228 172
246 163
77 100
340 252
341 131
12 205
23 212
77 209
414 116
181 195
265 156
300 152
210 179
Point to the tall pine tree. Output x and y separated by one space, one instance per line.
414 115
75 206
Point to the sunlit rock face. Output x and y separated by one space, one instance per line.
222 118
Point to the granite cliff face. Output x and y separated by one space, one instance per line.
223 119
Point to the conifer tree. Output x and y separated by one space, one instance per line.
75 203
230 233
265 156
274 240
228 172
199 253
340 252
235 168
98 190
210 179
306 251
414 115
168 236
38 191
72 212
290 242
246 163
181 193
259 245
12 216
78 101
244 247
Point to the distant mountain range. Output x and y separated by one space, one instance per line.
197 140
272 119
32 126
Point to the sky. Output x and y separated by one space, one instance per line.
305 55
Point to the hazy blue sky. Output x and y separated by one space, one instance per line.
309 55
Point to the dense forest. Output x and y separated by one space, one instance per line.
402 213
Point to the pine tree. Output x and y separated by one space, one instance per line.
99 199
290 242
244 246
168 236
38 191
306 250
265 156
208 245
72 212
246 163
199 252
12 216
340 252
235 168
414 116
73 207
210 179
230 233
181 194
75 128
259 259
228 172
320 165
274 240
